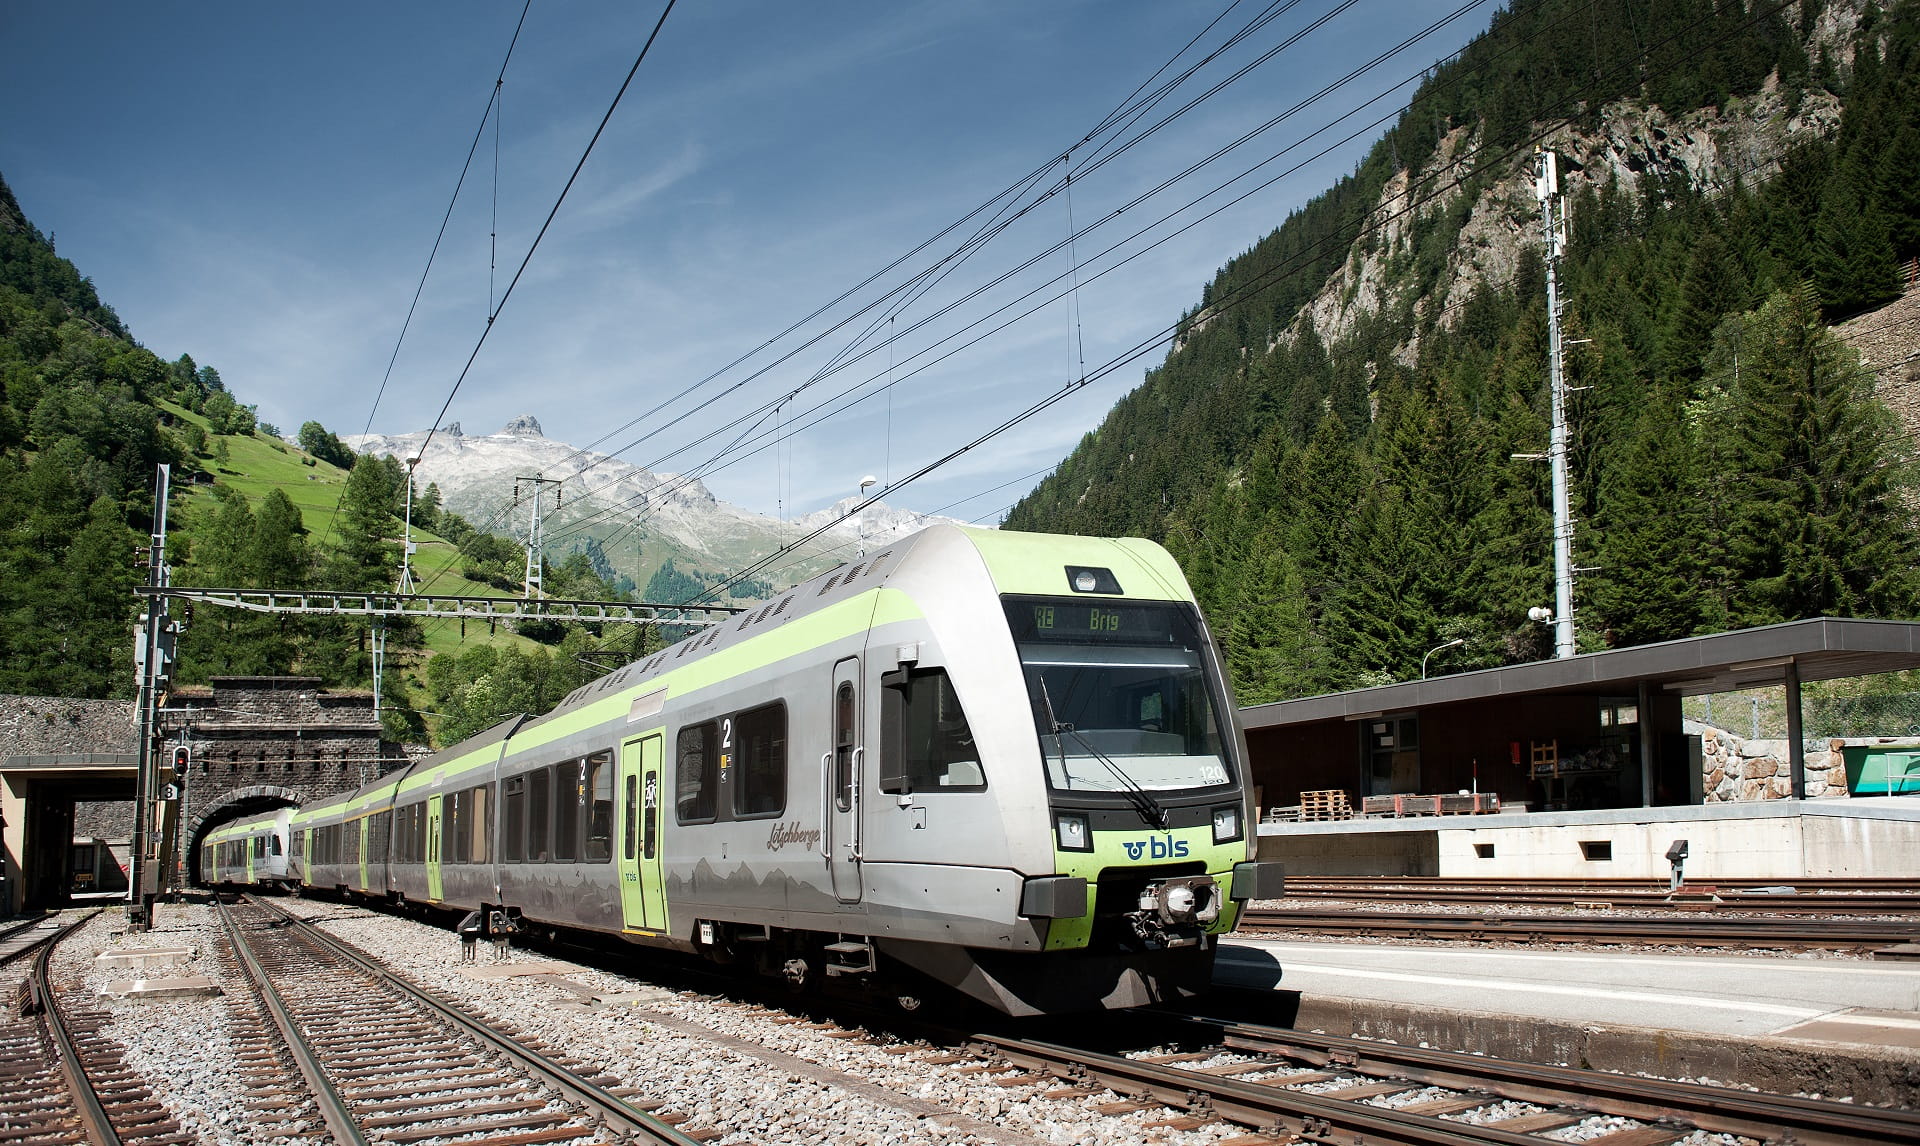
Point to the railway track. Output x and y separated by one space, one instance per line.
61 1081
1628 930
1286 1085
386 1061
1853 897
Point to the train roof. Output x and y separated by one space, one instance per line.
1032 564
246 824
1019 563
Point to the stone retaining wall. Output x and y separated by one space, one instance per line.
1735 769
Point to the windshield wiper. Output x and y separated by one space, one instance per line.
1142 801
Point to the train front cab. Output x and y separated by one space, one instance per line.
1061 801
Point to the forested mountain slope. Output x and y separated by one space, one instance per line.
1330 449
86 414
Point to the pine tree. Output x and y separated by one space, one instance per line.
1651 535
1852 256
366 556
1819 527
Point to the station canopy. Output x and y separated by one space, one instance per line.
1824 648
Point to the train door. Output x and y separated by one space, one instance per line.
247 847
643 900
364 885
433 848
841 778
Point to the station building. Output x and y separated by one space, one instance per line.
1584 767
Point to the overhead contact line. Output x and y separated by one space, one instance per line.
1472 168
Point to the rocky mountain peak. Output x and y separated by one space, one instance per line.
525 426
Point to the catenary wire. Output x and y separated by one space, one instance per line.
472 148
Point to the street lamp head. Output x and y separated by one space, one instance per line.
1540 613
868 481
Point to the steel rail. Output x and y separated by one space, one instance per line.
86 1103
1274 1109
333 1108
616 1111
13 935
1717 931
1725 896
1884 884
1723 1110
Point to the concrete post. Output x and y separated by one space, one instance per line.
1643 704
1796 750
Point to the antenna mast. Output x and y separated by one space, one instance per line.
1553 219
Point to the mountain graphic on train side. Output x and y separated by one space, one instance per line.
638 518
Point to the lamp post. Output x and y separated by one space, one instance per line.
1452 644
866 483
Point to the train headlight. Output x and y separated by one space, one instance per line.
1070 829
1226 824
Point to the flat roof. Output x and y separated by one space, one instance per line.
1823 648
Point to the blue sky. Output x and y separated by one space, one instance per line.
259 185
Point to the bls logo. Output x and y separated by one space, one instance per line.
1156 847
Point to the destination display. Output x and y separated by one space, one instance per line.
1098 622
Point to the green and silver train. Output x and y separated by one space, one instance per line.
251 851
1002 762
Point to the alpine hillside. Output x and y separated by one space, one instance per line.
1343 445
632 522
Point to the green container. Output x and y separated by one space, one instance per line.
1882 771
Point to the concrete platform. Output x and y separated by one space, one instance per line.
142 957
185 987
1772 839
1832 1026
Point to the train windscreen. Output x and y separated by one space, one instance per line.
1120 694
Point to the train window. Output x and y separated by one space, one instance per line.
377 836
273 845
843 736
479 825
761 739
633 815
299 843
513 838
695 785
924 727
352 852
599 808
1122 697
453 836
259 847
539 815
569 801
650 833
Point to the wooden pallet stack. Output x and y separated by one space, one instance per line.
1330 804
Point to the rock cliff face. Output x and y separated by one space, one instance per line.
1710 148
1888 340
631 510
